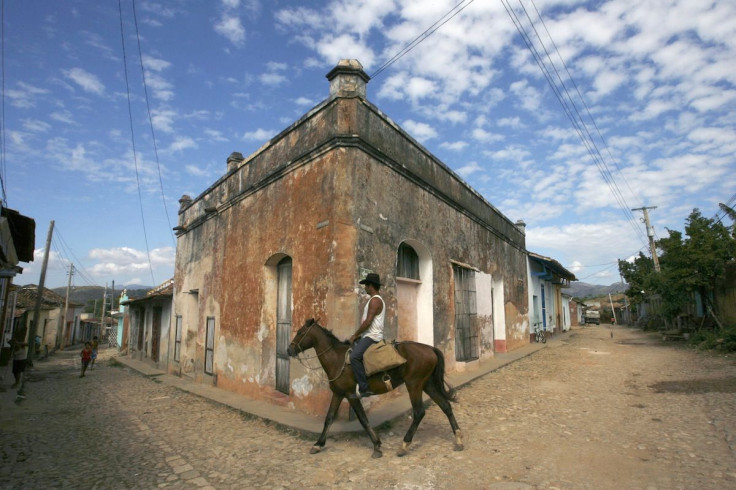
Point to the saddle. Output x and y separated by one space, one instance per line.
381 356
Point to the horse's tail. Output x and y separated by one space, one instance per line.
438 378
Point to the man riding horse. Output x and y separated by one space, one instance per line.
369 332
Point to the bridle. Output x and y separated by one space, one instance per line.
301 351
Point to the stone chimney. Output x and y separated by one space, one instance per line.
521 226
234 160
348 79
184 201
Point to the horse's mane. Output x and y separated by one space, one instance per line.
330 335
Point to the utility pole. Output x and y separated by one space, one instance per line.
66 306
39 294
102 318
650 234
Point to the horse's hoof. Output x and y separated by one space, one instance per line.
315 450
459 447
376 454
402 452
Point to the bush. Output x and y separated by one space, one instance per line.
722 340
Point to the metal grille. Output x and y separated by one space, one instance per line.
283 325
177 339
209 349
466 333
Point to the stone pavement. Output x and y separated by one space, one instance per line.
386 411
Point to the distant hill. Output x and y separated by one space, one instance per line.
584 290
81 295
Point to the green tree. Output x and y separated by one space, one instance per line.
691 263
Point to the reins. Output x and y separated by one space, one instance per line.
306 366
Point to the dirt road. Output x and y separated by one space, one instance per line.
588 412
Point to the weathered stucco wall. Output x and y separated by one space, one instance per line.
337 192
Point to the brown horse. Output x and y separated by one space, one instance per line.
424 370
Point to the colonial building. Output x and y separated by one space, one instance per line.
287 233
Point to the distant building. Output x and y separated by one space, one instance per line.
150 323
549 308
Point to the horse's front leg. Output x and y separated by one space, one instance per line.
363 418
331 412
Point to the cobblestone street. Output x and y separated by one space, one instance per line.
599 408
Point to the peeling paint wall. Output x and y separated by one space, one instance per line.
337 192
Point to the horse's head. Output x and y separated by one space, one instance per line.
302 340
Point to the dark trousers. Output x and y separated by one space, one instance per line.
356 361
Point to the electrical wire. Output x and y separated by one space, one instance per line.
427 32
3 174
150 120
577 122
132 137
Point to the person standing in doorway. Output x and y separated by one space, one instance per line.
369 332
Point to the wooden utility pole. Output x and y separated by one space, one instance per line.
650 234
66 306
102 318
39 294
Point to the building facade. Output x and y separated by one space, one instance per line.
287 233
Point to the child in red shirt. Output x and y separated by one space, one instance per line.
86 355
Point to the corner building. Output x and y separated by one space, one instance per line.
286 234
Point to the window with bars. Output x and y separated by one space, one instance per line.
407 265
466 331
177 339
209 348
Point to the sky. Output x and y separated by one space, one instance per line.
112 110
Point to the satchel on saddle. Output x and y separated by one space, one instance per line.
381 356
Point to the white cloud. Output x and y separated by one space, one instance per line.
181 144
259 135
63 117
231 28
421 131
36 126
126 260
25 95
454 145
468 169
86 80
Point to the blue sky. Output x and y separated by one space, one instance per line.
653 81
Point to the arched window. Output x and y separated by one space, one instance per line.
407 265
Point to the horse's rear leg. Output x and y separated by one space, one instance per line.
363 418
415 395
444 404
329 418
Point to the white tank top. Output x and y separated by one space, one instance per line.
375 331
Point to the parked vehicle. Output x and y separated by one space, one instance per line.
592 316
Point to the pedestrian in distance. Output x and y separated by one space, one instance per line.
368 333
95 345
20 355
86 356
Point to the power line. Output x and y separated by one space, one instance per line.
132 137
427 32
150 120
570 107
3 174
